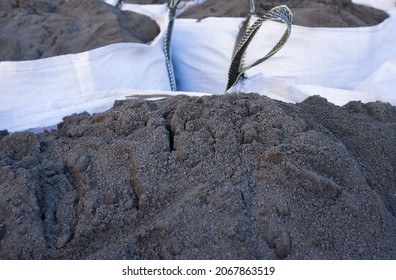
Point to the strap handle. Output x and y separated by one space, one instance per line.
172 7
236 71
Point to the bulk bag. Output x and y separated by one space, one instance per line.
333 58
39 93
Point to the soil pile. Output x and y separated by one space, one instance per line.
217 177
312 13
36 28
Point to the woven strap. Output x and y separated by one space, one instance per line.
172 6
236 71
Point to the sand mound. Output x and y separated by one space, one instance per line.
36 29
219 177
312 13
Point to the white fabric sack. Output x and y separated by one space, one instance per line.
111 2
334 58
202 51
151 10
33 91
382 82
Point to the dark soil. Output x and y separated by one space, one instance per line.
217 177
33 29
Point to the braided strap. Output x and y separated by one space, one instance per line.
236 71
172 6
